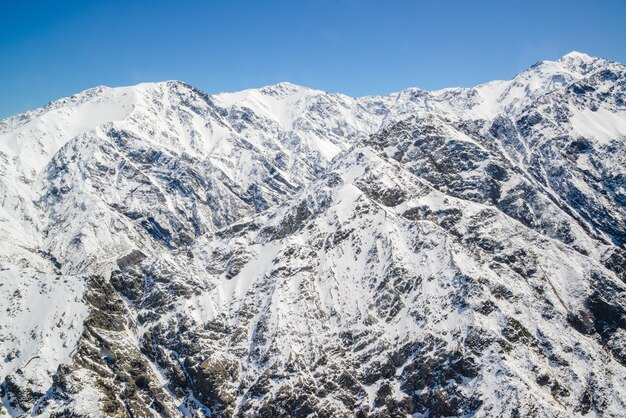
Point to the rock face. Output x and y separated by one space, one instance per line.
290 252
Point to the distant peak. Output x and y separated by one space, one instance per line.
285 84
283 87
176 83
575 55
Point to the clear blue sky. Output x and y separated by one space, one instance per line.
50 49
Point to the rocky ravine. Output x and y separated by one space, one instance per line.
290 252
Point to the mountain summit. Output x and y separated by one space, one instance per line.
285 251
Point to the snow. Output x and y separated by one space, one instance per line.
602 125
43 320
236 288
36 141
578 56
282 102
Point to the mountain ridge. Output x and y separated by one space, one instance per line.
573 55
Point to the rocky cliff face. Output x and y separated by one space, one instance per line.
290 252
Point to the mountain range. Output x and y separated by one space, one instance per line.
286 251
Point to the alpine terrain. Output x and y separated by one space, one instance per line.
285 251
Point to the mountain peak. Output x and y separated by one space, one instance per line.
284 87
577 55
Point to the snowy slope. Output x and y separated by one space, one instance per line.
288 251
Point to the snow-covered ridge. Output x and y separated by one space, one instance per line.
289 251
283 103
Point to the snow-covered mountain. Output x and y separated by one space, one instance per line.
285 251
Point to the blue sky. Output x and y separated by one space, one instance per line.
51 49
